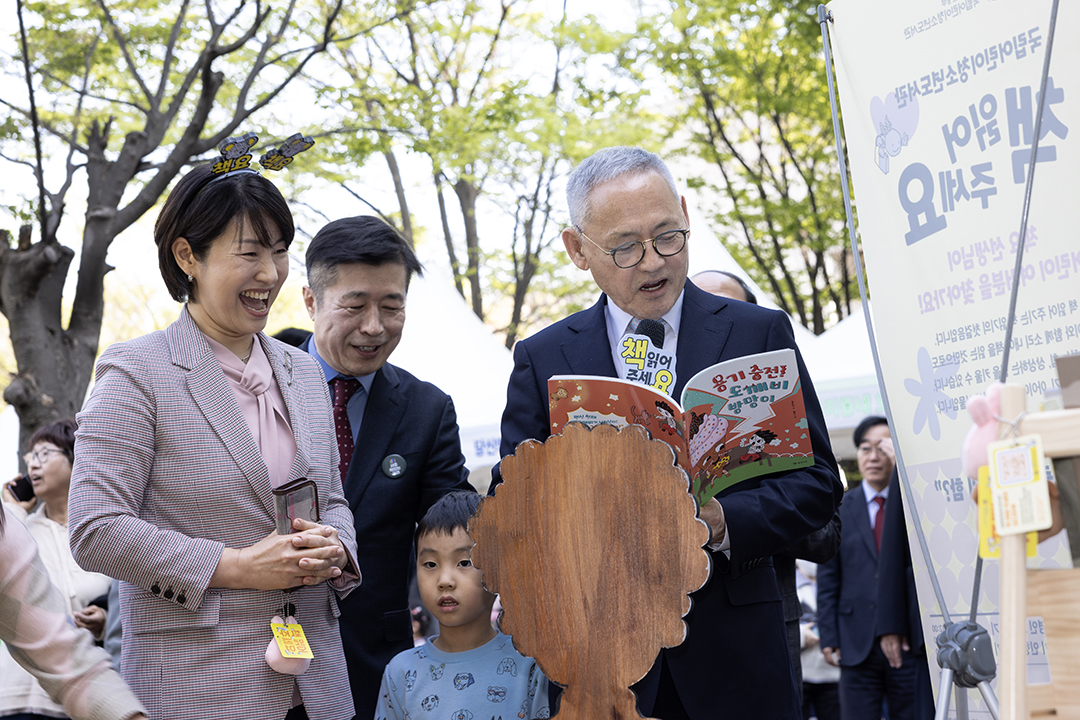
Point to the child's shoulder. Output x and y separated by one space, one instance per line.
409 658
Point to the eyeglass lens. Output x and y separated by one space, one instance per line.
666 244
39 456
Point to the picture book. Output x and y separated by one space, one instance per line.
738 419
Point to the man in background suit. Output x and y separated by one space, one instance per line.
867 607
404 431
629 231
900 621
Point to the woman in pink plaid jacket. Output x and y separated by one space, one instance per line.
187 433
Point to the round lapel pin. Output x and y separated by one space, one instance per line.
393 466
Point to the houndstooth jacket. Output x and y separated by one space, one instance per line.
167 475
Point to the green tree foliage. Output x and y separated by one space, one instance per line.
121 96
496 97
749 79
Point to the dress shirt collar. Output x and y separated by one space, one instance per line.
618 320
870 493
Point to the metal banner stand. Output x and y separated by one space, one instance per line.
965 650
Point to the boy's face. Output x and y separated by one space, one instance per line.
449 584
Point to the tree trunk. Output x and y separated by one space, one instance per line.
521 289
455 268
55 366
467 194
406 220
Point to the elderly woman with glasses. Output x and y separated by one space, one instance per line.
45 515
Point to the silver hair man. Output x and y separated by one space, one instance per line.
606 165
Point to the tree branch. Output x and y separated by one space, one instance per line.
39 168
126 51
170 48
389 221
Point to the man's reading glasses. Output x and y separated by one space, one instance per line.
630 254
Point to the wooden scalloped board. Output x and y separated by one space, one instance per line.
593 543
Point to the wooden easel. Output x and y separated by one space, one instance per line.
1053 594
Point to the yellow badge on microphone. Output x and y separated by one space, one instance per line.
646 363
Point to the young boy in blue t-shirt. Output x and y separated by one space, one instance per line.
469 671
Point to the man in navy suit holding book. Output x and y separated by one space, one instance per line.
630 230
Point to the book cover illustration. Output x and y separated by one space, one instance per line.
738 419
746 418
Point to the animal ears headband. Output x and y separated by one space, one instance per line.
236 156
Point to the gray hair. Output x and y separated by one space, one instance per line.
605 165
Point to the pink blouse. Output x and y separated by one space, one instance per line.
262 405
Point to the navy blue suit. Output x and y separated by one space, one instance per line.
735 661
898 601
414 419
863 595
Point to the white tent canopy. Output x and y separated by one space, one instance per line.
842 367
446 344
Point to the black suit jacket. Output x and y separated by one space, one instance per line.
734 662
898 603
414 419
818 547
847 591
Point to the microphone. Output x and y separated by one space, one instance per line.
652 329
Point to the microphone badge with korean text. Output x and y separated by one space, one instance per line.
644 358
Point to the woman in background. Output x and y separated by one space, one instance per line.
52 450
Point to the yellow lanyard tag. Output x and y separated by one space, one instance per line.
291 641
1018 485
989 540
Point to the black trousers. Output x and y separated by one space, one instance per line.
297 713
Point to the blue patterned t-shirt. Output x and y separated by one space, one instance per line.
493 681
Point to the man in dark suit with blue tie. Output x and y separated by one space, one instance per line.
404 431
868 613
630 231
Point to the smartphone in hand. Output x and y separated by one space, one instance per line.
22 489
297 499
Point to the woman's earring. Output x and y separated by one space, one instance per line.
190 279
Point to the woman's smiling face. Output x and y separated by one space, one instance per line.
235 283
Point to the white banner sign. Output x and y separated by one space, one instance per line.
938 99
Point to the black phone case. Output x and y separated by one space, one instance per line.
23 489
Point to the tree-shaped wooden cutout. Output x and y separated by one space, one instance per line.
593 543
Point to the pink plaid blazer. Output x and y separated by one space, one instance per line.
166 475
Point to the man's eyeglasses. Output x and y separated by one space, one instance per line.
630 254
868 449
39 456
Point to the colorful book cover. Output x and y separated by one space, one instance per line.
738 419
